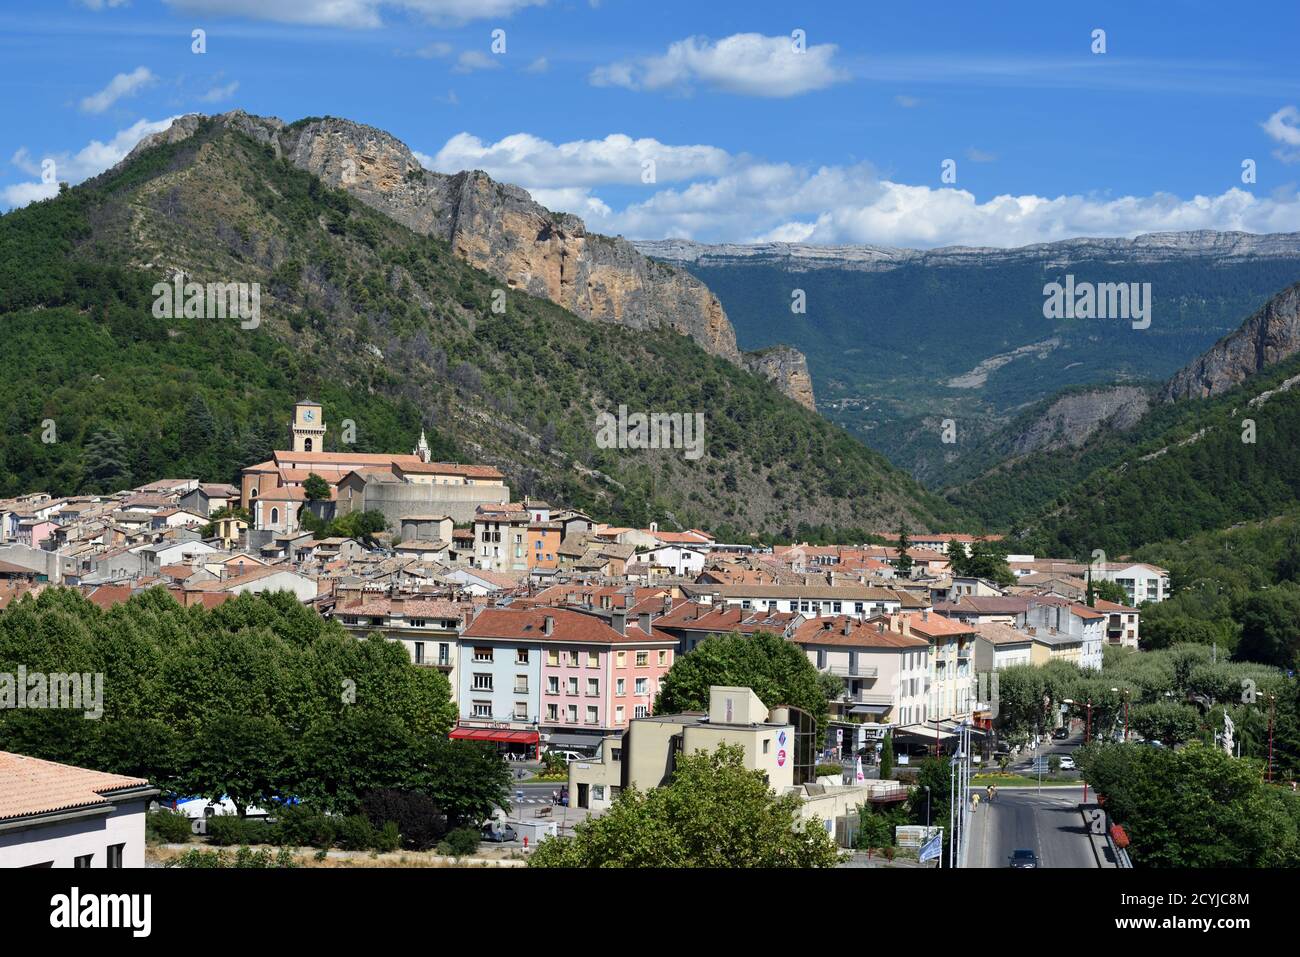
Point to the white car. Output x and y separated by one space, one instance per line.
1067 763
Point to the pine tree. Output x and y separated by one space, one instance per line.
105 458
903 563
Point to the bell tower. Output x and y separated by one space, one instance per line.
308 427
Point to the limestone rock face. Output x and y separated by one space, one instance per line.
1071 419
1268 337
787 368
501 230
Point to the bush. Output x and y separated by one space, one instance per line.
244 857
305 827
388 838
355 833
462 842
416 817
227 829
167 827
830 770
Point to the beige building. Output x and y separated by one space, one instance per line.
644 755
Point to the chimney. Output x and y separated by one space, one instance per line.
848 626
645 622
925 614
880 627
397 606
668 604
618 621
548 625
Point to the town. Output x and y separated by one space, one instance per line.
556 633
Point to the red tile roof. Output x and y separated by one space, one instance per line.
30 786
569 626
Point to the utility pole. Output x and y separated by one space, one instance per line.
1272 699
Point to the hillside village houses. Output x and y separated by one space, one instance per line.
555 630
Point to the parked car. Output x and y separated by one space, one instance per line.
570 756
1023 859
502 835
1061 733
1067 763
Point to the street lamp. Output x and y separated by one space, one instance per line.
1124 694
927 811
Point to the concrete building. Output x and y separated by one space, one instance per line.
644 755
813 601
1122 623
1050 617
428 628
998 646
57 815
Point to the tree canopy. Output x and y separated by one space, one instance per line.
713 813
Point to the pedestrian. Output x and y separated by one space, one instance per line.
989 791
993 791
555 797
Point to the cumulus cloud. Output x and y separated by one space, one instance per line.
1284 128
98 5
749 64
122 85
353 14
980 156
535 163
219 93
90 160
540 65
472 60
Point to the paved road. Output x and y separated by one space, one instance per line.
1049 824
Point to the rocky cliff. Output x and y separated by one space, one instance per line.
1072 418
1269 336
787 367
498 228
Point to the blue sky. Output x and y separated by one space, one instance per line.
751 139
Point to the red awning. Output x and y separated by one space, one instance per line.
490 734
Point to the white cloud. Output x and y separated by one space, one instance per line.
122 85
435 51
1284 127
472 60
540 65
353 14
535 163
219 93
907 102
980 156
90 160
746 63
98 5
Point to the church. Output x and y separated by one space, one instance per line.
398 485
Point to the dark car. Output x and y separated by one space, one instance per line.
1023 858
499 836
1060 734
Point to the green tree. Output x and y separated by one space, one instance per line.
316 489
713 813
887 755
105 458
1168 722
776 670
240 756
1270 626
903 563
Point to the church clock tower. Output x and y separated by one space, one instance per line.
308 427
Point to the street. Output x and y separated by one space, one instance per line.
1049 824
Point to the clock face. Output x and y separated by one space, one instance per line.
308 415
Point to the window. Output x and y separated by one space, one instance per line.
642 659
482 682
444 654
616 754
482 654
482 709
521 710
642 711
618 715
620 687
552 684
835 607
573 659
620 659
593 687
419 652
573 714
641 685
573 686
115 855
83 861
591 714
767 745
553 658
598 792
521 656
552 712
593 659
663 657
521 684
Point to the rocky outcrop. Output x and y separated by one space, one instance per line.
500 229
1071 419
1268 337
787 368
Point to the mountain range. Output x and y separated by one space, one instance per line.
401 299
902 342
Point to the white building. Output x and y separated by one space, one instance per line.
57 815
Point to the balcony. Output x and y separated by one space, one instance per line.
851 671
866 697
